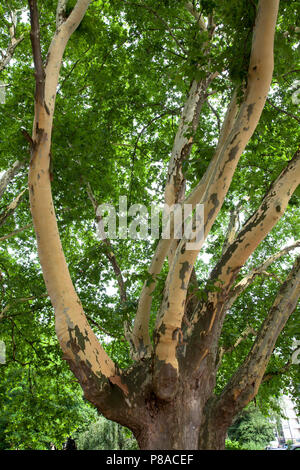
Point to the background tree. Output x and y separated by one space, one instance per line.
252 430
130 71
105 435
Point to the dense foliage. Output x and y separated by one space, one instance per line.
105 435
126 73
251 430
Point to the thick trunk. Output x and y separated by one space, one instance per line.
182 425
213 429
162 425
169 433
213 438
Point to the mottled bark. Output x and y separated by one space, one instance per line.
9 174
167 397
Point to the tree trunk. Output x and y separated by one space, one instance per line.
182 425
173 425
167 397
165 425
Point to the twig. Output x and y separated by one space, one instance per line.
161 19
283 111
109 251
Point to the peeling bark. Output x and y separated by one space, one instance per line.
81 348
245 382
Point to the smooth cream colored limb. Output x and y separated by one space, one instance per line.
253 232
263 220
78 342
199 192
259 80
140 330
174 193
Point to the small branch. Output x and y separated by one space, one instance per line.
146 126
109 251
269 376
248 331
217 116
20 300
198 17
283 111
11 207
154 12
103 329
244 283
9 175
244 384
13 234
8 54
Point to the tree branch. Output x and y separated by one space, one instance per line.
109 251
270 375
8 54
15 232
19 300
283 111
154 12
190 8
244 384
247 332
174 193
172 307
82 350
11 207
232 228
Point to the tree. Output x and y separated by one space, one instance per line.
252 429
168 396
105 435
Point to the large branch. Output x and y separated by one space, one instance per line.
109 250
172 308
257 227
174 194
208 319
244 384
80 346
